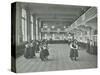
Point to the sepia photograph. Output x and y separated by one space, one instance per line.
53 37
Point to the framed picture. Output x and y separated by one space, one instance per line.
52 37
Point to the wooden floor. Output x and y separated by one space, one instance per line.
58 60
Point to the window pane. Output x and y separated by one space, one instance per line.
32 28
24 25
23 29
23 12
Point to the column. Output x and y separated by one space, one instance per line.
39 28
34 26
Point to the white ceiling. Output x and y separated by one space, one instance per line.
51 13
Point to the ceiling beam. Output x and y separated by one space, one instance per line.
57 20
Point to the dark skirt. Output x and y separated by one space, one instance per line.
37 48
33 51
26 53
29 52
73 53
44 54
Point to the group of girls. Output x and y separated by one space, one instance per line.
40 47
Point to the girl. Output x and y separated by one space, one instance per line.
73 51
27 52
44 53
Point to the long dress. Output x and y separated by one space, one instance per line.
37 47
27 51
88 47
43 54
73 51
31 52
33 48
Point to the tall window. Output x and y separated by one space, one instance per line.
24 25
36 29
32 28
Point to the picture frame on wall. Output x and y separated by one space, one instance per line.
53 37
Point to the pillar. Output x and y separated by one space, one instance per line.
34 26
37 29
